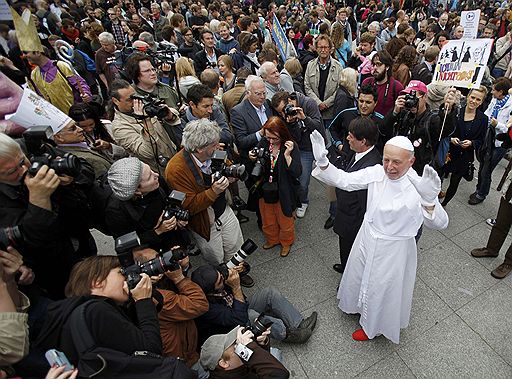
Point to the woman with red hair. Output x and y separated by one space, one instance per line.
279 184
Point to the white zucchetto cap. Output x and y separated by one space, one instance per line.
402 142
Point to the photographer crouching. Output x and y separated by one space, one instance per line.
44 206
204 181
302 116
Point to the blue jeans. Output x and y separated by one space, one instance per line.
277 309
306 158
485 172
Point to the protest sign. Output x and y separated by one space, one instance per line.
469 20
462 63
34 110
279 37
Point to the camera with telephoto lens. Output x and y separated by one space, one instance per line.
153 106
220 168
261 155
174 207
258 326
132 270
10 236
40 147
248 247
411 100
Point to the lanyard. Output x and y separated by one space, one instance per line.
273 162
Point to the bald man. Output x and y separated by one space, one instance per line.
378 281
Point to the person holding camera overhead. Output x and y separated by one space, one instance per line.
279 158
413 118
213 223
140 133
97 294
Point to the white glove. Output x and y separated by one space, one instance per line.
319 150
428 186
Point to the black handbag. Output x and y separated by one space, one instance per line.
470 172
270 192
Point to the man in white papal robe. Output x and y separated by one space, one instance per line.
378 282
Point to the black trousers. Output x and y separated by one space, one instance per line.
500 230
346 241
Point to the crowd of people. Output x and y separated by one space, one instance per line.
173 106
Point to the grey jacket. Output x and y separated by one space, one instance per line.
312 79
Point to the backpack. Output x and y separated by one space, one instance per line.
90 65
100 362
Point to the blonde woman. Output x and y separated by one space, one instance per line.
342 48
225 63
346 93
186 75
294 68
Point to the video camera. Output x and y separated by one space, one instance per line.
153 106
174 207
411 100
10 236
132 271
220 168
40 147
262 155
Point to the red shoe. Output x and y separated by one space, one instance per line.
360 335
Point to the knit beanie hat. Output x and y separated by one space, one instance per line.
124 177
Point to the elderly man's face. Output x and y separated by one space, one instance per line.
273 76
257 94
443 20
396 161
13 169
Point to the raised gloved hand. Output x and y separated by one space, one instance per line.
428 185
319 150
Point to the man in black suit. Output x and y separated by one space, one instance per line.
207 58
247 120
363 134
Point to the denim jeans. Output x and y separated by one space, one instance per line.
306 158
277 309
485 172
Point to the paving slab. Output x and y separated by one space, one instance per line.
452 349
391 366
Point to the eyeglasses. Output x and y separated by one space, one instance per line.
152 69
272 138
15 168
259 94
111 14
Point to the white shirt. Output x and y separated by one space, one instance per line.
205 166
262 115
360 155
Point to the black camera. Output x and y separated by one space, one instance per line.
174 207
153 106
220 168
248 247
289 110
156 266
10 236
261 155
39 143
411 100
258 326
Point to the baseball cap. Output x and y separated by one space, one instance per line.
214 347
205 277
415 85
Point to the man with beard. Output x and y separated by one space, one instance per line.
388 88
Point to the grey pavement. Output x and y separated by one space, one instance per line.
461 321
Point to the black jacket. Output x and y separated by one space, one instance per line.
422 73
201 60
351 206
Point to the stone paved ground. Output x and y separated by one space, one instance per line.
461 324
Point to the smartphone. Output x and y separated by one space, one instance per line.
58 358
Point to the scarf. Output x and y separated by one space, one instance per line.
497 107
73 35
324 66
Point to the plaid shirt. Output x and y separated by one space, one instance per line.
117 31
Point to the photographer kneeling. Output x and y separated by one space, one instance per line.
302 117
97 294
228 307
239 354
183 301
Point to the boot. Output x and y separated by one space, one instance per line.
309 322
297 335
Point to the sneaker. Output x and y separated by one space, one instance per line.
483 252
491 221
501 271
302 210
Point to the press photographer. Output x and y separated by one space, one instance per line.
413 118
229 307
302 116
214 225
241 354
48 205
137 126
138 203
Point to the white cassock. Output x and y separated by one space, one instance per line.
378 282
